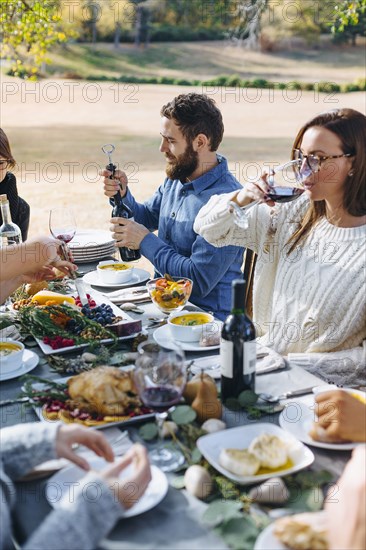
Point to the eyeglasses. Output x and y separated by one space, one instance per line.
4 163
314 162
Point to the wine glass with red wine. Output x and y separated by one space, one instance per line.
286 185
160 377
62 224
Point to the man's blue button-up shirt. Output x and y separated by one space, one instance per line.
178 250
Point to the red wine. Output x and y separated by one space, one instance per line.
65 237
238 347
284 194
160 398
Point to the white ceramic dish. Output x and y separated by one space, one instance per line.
12 361
99 299
186 333
132 420
91 238
163 337
297 419
112 276
268 541
30 361
240 438
60 488
138 276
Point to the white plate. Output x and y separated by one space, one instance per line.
61 487
297 419
91 238
206 364
99 299
30 361
267 540
240 438
138 276
163 337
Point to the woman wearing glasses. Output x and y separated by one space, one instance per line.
309 284
19 209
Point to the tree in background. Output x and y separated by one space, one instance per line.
350 20
29 29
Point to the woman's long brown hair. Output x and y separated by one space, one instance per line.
350 127
5 151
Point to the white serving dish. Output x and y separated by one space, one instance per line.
13 361
113 276
187 333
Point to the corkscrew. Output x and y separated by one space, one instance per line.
108 150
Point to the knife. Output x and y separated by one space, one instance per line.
78 282
11 401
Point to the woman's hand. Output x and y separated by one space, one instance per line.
119 182
67 436
342 415
129 489
254 191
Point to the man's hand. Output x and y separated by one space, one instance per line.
118 183
129 490
128 233
93 439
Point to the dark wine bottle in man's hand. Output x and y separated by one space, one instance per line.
120 209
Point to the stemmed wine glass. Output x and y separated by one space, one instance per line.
62 224
286 185
160 377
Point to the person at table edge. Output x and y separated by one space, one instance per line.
191 132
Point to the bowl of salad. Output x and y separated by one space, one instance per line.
168 293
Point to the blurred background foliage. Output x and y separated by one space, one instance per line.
31 28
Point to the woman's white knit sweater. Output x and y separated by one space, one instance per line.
312 300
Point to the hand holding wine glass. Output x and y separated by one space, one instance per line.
62 224
283 184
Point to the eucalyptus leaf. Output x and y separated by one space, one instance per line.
31 343
219 511
148 431
232 404
196 456
183 415
240 533
247 398
305 500
178 482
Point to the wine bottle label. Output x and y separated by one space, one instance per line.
226 358
249 357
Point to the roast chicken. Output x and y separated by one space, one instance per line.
103 391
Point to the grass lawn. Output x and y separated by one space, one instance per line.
203 60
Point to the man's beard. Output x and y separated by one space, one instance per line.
182 167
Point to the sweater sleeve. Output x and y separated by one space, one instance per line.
81 522
26 445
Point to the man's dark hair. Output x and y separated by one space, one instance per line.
196 114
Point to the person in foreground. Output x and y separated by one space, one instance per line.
191 132
346 507
19 208
85 521
29 262
309 291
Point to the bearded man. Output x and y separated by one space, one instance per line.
191 132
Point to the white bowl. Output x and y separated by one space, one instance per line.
192 333
114 275
12 361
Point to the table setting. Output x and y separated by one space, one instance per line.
201 435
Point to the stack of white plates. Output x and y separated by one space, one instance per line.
90 245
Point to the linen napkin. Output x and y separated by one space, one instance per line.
268 360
